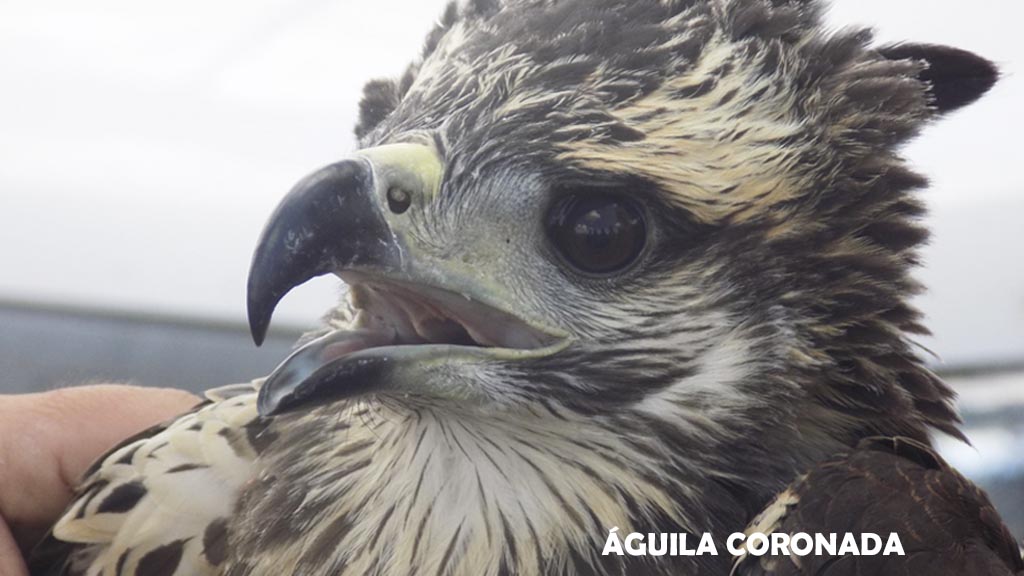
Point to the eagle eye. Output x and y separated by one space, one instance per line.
597 233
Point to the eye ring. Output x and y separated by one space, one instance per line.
597 234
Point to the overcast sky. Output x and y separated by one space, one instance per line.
143 145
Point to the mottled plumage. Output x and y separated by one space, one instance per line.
481 405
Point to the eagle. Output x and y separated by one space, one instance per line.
634 265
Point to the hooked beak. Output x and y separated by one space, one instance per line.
332 220
344 219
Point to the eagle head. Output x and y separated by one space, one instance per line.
644 261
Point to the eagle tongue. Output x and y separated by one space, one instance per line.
285 383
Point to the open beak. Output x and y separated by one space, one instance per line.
411 314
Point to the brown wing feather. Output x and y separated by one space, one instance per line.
946 524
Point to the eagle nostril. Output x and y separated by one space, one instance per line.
399 200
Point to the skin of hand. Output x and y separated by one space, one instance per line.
49 439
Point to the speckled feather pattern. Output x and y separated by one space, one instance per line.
770 330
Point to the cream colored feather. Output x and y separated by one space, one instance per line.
165 490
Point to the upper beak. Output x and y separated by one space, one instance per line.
333 220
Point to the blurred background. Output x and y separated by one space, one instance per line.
143 145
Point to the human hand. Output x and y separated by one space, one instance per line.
47 441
